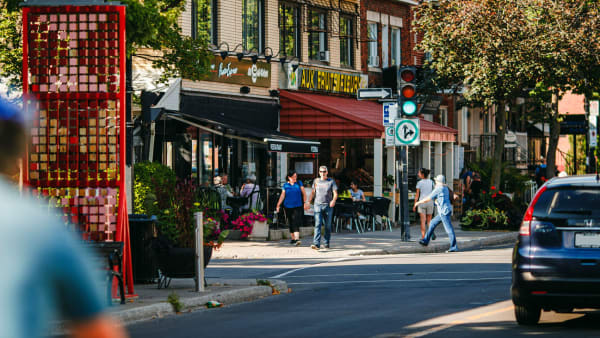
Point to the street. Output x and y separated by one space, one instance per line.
414 295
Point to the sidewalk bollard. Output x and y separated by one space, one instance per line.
199 243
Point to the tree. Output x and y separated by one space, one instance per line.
481 43
150 24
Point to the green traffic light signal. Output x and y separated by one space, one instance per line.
407 90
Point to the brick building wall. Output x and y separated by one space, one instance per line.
390 13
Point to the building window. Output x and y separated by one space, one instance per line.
346 36
203 23
384 46
396 47
444 116
464 130
289 42
372 45
252 25
317 35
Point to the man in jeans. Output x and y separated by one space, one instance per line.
324 192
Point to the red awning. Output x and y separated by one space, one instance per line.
316 116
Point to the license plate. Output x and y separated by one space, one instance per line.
587 240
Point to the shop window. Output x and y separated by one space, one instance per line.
373 55
396 47
346 37
203 20
289 39
464 130
317 35
252 25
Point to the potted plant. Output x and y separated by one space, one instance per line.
260 227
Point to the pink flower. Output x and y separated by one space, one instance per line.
493 188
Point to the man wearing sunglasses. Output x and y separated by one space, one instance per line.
324 192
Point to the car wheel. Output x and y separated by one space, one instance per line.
527 314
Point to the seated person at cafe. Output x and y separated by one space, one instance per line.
250 188
357 194
222 190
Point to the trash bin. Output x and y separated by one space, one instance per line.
142 230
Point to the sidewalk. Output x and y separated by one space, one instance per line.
152 302
346 244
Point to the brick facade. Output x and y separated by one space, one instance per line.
386 12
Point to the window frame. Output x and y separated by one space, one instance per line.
396 46
317 30
297 33
260 44
372 44
349 39
213 38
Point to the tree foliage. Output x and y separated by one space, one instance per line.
150 24
497 48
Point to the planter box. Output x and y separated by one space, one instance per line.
306 231
235 235
260 231
276 235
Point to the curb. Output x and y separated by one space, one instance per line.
160 310
473 244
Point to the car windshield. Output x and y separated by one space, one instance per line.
572 203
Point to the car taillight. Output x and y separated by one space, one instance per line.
525 229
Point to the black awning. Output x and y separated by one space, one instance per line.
275 141
295 145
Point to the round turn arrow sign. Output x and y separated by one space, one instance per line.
407 132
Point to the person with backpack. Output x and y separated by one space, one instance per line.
443 197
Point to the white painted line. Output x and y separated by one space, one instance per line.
310 266
406 280
401 273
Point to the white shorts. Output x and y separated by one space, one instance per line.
426 208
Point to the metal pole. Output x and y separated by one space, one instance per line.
586 108
394 188
403 206
199 234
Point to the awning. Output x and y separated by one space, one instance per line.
317 116
275 141
321 116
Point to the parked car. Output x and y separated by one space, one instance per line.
556 261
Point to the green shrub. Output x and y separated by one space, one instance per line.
149 178
485 219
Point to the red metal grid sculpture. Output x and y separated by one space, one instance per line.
74 81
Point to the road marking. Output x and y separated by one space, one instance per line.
400 273
457 322
309 266
405 280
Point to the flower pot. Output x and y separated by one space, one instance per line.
235 235
178 262
260 231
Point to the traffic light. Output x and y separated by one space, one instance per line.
407 91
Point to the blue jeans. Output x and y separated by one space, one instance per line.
445 219
323 214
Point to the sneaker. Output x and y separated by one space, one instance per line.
314 247
455 250
433 236
293 241
298 242
326 246
422 242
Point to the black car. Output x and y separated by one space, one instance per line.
556 261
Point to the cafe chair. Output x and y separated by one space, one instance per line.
380 207
345 211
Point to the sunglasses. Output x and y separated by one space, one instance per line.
322 171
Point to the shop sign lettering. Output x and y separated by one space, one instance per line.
329 81
242 72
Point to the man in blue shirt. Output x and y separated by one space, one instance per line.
441 196
45 272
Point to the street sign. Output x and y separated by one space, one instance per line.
389 113
373 93
390 140
407 132
573 125
593 131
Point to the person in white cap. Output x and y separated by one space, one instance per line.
441 196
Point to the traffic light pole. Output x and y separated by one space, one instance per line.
404 211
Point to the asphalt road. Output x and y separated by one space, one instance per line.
463 294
